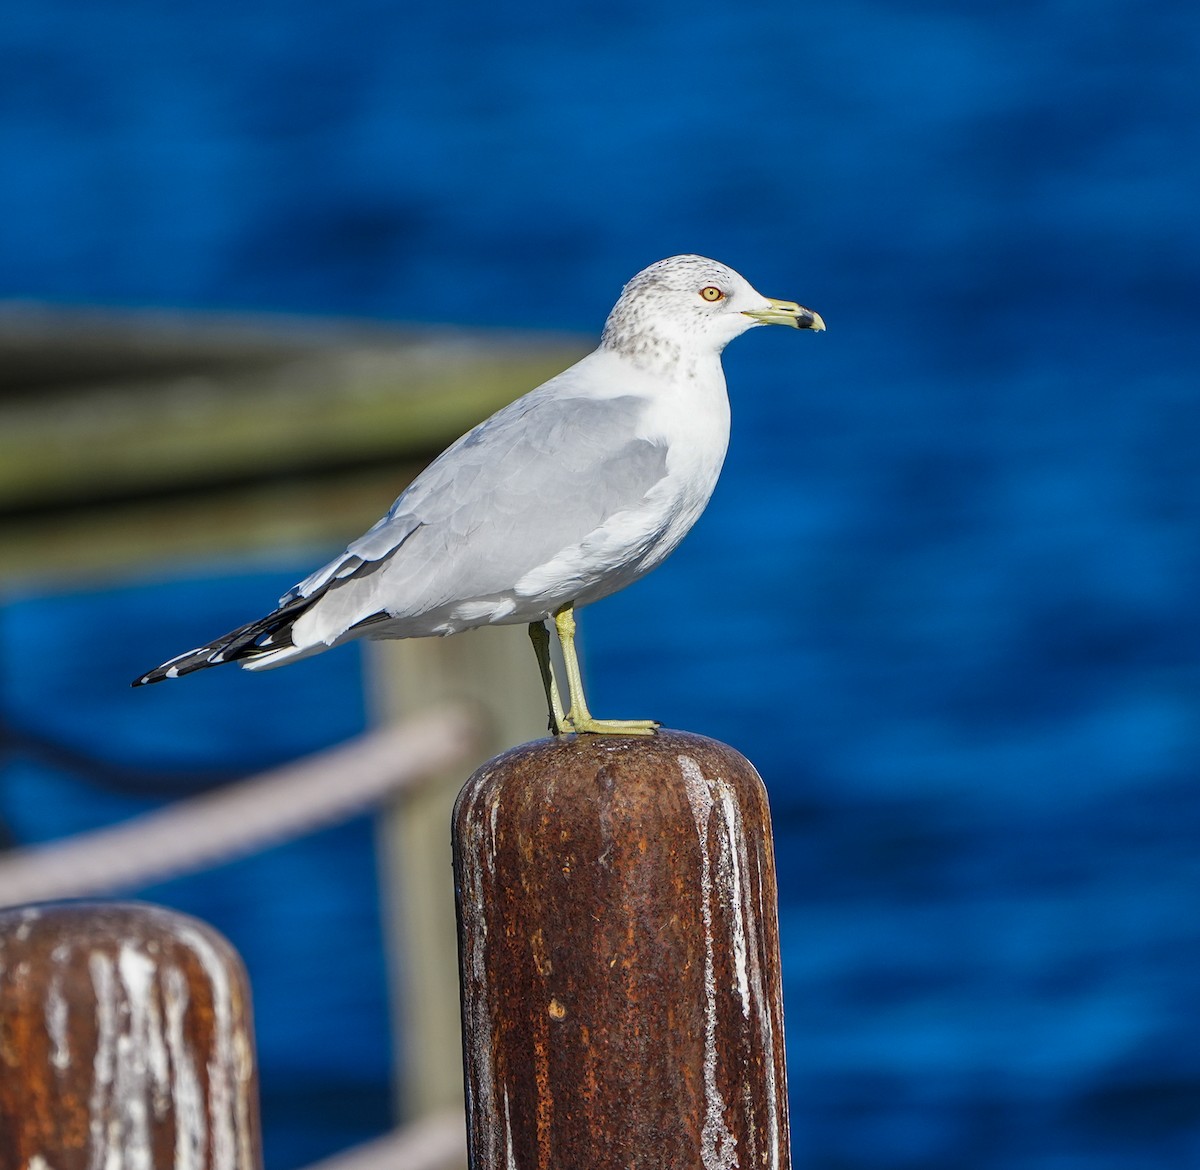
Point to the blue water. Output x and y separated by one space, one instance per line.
944 596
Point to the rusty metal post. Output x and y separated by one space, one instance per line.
125 1041
620 959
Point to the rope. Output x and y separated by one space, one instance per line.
242 817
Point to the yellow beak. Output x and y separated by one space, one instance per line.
786 313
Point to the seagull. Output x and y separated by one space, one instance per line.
566 495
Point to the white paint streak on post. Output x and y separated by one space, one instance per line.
158 1063
510 1160
223 1095
191 1130
732 849
28 918
491 857
131 1089
759 982
100 967
58 1014
752 980
718 1150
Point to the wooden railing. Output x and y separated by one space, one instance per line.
240 818
124 1028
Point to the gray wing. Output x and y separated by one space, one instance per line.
534 479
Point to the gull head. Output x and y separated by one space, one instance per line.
690 305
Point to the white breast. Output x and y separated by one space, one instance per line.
693 420
689 415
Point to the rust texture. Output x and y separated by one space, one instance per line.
125 1040
620 958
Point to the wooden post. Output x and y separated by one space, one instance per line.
490 670
620 958
125 1041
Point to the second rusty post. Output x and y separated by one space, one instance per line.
125 1042
620 958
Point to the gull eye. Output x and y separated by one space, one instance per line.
711 293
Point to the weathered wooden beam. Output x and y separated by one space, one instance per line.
116 406
620 959
195 530
125 1041
137 438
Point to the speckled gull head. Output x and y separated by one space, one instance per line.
692 304
564 496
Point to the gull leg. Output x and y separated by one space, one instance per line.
579 718
540 637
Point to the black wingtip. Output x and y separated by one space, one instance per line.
246 641
157 675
